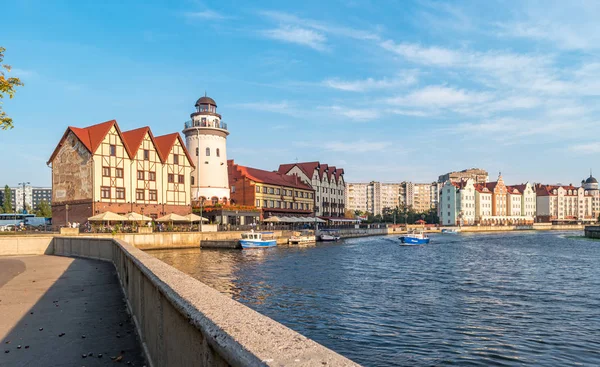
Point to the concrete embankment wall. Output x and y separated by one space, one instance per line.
183 322
363 232
25 245
592 232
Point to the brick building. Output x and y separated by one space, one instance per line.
99 168
274 193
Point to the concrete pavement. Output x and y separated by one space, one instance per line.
56 310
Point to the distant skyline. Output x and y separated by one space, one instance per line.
388 90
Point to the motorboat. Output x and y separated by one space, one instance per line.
258 240
302 237
329 235
451 231
414 238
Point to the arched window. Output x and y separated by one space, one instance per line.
207 152
218 152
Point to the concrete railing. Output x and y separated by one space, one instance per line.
183 322
592 231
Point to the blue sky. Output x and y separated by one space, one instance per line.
389 90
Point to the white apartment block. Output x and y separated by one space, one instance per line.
564 204
457 203
421 197
372 197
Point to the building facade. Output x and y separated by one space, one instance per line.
591 186
372 197
457 203
421 197
564 204
479 176
99 168
274 193
206 140
33 197
328 183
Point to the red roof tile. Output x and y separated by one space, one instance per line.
164 145
273 178
134 139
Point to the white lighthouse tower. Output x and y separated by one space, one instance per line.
206 140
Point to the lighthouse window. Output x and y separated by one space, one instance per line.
197 151
208 152
218 152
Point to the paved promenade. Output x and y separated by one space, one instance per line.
60 311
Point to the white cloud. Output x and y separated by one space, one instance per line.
370 83
206 15
355 113
297 35
588 148
439 96
360 146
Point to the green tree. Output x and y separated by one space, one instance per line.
7 86
44 210
7 206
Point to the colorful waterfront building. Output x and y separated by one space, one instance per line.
274 193
564 204
328 183
99 168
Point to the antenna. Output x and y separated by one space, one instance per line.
205 93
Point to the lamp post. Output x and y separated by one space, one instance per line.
24 184
201 207
66 213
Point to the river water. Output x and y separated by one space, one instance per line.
509 299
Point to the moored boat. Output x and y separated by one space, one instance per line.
451 231
414 239
258 240
328 235
302 237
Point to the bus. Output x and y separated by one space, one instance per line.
25 219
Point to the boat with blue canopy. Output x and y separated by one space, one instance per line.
414 238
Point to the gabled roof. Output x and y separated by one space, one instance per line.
481 188
307 167
273 178
164 145
134 139
511 190
91 137
522 187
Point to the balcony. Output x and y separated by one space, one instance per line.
191 124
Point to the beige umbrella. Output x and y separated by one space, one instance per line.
195 218
135 217
273 220
108 217
173 218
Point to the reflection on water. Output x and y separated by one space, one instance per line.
475 299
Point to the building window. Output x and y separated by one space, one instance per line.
113 150
105 192
193 181
140 175
232 189
257 203
271 190
271 203
119 172
208 152
120 193
151 175
181 179
146 155
277 191
258 189
105 171
296 195
264 203
279 204
218 152
171 178
264 189
139 194
175 158
295 205
152 195
197 151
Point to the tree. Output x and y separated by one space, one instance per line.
7 86
44 210
349 214
7 206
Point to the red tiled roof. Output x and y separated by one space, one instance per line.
511 189
307 167
91 137
273 178
134 138
482 188
164 145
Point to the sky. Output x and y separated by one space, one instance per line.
388 90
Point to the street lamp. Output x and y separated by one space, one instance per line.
66 213
201 208
24 184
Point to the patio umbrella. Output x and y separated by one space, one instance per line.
108 217
195 218
273 220
173 218
136 217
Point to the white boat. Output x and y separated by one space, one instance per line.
303 237
414 238
328 235
451 231
258 240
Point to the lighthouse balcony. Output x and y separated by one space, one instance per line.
209 124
